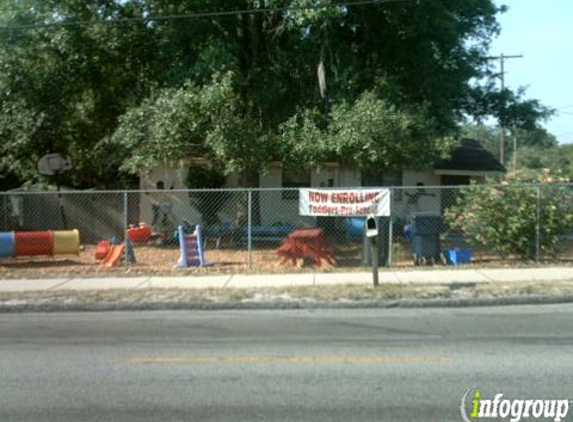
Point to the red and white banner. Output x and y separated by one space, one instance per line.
344 202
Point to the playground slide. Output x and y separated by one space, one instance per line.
114 256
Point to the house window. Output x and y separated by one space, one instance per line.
378 178
295 179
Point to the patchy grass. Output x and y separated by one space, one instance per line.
342 293
550 289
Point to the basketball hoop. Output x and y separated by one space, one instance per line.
51 164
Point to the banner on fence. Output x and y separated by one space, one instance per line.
344 202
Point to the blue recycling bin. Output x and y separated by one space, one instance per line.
458 256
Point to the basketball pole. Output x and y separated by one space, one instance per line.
54 165
61 203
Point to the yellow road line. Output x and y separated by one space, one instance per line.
293 360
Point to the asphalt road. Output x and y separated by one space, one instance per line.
323 365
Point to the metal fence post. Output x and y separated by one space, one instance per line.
125 226
249 229
390 230
538 224
5 212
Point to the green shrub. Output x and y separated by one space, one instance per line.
504 217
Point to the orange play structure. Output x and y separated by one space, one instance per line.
103 248
114 255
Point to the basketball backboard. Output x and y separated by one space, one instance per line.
55 163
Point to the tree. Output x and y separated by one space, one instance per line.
558 160
509 108
283 113
488 136
64 87
537 150
368 133
241 89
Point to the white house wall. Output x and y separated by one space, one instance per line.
172 178
426 177
350 177
274 207
414 198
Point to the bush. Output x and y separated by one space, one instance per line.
505 217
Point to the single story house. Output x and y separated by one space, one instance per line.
416 190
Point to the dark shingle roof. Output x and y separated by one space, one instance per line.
470 155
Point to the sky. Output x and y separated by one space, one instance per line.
541 30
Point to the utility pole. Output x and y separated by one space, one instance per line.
502 59
514 153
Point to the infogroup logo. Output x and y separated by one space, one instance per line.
474 406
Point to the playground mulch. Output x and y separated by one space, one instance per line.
159 260
151 260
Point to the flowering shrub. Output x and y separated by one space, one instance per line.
505 217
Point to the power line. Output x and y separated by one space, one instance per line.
199 15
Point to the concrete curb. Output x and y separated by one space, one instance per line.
280 305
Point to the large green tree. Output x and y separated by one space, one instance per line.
381 85
537 138
556 161
63 87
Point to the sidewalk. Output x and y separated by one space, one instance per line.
409 277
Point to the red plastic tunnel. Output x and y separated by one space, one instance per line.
34 243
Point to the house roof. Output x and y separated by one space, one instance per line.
470 155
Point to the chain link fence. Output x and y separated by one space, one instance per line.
257 230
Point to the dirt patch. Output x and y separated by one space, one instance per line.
343 293
151 260
159 260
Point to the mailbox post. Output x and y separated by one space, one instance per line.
372 235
